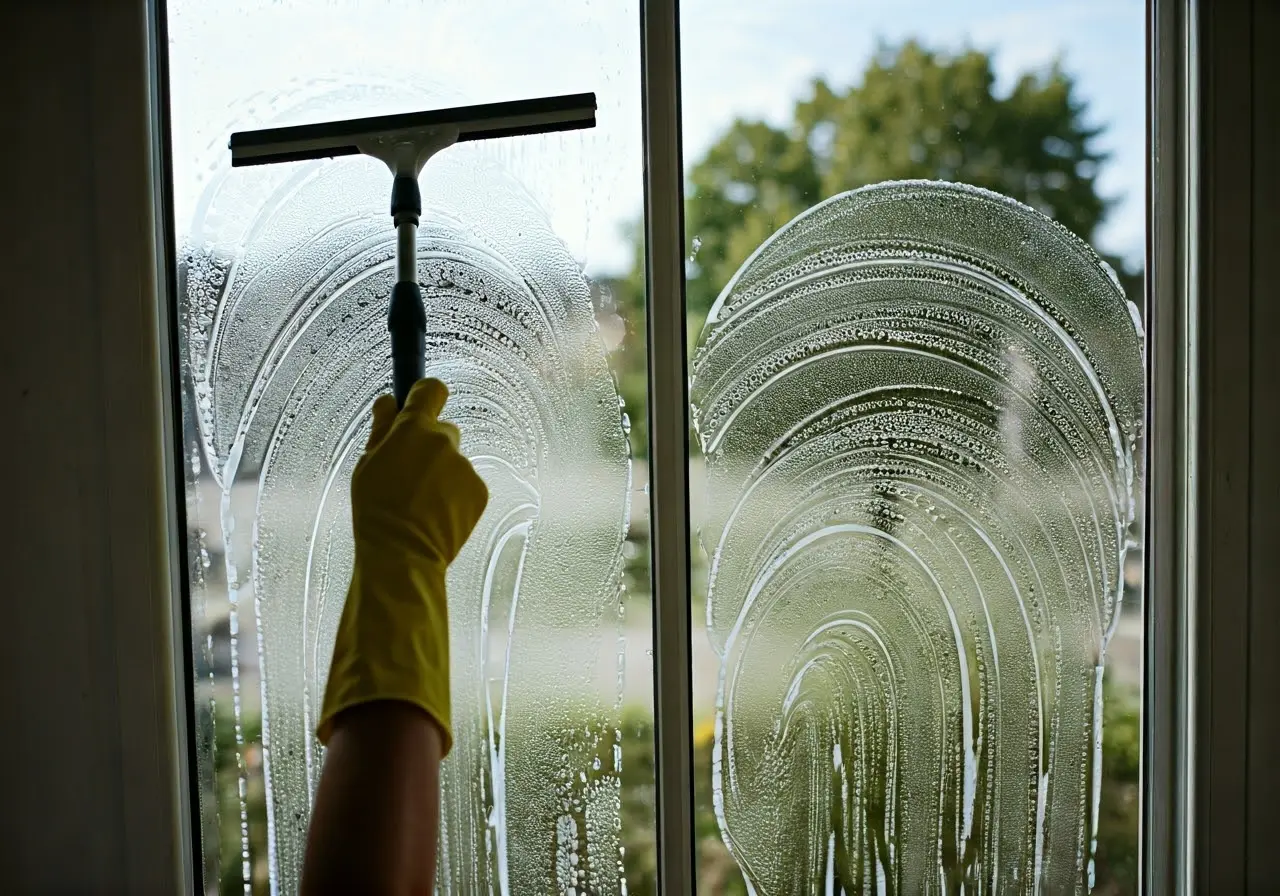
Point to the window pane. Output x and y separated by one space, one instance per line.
917 402
286 271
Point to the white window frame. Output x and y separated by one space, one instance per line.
1171 315
1177 737
1168 810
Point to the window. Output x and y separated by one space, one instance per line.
285 272
915 323
918 407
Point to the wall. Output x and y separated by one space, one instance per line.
1238 792
88 765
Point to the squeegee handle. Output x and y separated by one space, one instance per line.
407 316
407 321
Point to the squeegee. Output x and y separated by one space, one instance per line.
405 143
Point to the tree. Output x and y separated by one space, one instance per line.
917 113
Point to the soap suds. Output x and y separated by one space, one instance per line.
919 405
286 279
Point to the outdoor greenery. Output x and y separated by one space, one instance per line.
916 113
231 766
1116 855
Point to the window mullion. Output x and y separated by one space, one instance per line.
668 451
1172 423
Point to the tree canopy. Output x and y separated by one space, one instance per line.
916 113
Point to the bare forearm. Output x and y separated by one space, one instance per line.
376 819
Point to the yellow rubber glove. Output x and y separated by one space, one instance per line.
414 501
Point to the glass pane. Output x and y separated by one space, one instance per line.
917 395
285 274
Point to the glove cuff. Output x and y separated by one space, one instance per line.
393 639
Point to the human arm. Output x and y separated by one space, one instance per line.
376 816
386 714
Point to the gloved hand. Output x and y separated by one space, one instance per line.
414 501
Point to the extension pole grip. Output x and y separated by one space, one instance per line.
407 321
407 316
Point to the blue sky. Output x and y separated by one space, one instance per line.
754 59
749 58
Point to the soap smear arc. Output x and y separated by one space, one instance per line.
919 405
285 279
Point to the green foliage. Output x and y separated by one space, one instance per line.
916 113
639 804
231 764
1116 856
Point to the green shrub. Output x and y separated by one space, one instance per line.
1117 854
